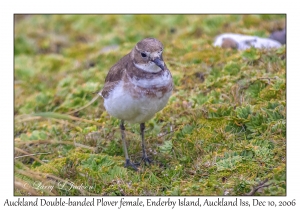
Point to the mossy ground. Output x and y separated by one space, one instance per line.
222 132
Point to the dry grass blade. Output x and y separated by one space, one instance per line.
57 116
26 153
36 159
38 179
42 153
29 118
66 117
259 186
20 143
81 108
20 185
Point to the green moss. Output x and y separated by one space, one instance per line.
222 131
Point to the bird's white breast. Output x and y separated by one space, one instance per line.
123 105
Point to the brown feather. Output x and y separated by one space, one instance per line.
114 75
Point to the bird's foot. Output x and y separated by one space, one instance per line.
146 160
128 163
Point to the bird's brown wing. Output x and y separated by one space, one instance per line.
114 75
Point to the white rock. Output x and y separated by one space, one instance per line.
243 42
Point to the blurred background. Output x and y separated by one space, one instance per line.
49 48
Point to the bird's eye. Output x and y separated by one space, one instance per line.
143 55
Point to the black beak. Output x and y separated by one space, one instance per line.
159 63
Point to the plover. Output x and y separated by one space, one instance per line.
136 87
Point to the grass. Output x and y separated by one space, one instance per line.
222 132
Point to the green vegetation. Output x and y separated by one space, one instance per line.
222 132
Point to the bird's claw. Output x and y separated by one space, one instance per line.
128 163
146 160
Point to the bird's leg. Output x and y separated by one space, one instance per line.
145 157
127 160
